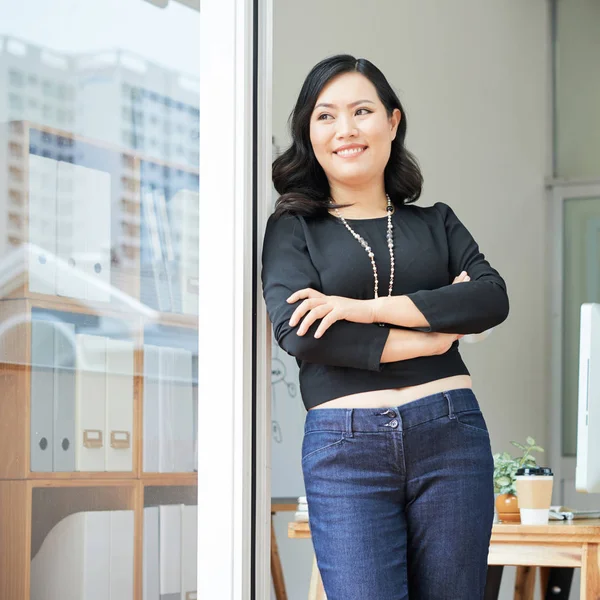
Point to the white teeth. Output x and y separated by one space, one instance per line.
350 152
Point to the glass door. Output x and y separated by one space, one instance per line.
133 148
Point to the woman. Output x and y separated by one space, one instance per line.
371 294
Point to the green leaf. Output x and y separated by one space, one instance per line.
518 445
530 441
503 481
538 448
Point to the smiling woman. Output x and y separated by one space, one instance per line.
381 377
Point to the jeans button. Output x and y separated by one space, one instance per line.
393 423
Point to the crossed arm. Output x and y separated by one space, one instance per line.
354 338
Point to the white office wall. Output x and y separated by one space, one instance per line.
578 88
473 76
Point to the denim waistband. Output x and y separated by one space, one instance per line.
393 418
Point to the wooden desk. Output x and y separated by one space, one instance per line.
558 544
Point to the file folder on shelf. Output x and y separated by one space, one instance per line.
83 218
42 224
170 551
90 406
42 395
64 397
121 555
119 405
185 220
151 562
189 551
182 411
166 417
73 561
150 409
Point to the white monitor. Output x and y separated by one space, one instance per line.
587 473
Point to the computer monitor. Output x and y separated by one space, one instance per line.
587 472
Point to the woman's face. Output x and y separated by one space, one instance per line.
354 117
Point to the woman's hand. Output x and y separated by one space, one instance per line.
329 309
440 343
461 278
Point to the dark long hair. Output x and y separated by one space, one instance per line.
297 175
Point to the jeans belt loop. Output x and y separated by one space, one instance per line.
349 415
451 414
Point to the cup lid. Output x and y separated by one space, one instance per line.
534 471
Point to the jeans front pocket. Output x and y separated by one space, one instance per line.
319 440
473 420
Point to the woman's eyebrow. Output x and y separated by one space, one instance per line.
349 105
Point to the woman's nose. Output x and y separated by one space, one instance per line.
346 126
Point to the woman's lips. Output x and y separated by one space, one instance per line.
351 153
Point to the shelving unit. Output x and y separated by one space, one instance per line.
32 502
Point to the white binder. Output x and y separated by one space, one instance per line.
119 405
42 393
73 562
182 411
189 552
151 562
98 242
64 397
121 555
166 418
90 405
185 219
72 225
150 410
83 219
170 551
42 224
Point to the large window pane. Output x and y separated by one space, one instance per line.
577 98
581 283
99 258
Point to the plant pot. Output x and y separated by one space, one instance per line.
507 507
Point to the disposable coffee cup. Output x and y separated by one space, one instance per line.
534 494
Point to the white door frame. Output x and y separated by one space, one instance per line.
262 445
558 192
229 224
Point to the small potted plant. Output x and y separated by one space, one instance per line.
505 469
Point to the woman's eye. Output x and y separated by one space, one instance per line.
320 117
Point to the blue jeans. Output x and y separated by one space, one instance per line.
401 500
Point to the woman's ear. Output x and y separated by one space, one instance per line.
395 121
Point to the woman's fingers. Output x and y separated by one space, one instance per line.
325 324
303 308
316 313
304 293
461 278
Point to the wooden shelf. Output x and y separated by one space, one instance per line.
169 479
31 503
101 476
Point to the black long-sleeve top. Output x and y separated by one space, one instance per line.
431 247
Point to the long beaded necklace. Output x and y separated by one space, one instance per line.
365 245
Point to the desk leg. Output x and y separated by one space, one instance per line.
525 583
276 570
316 591
590 573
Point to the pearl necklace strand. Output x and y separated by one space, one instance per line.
365 245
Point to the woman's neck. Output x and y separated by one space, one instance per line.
364 205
